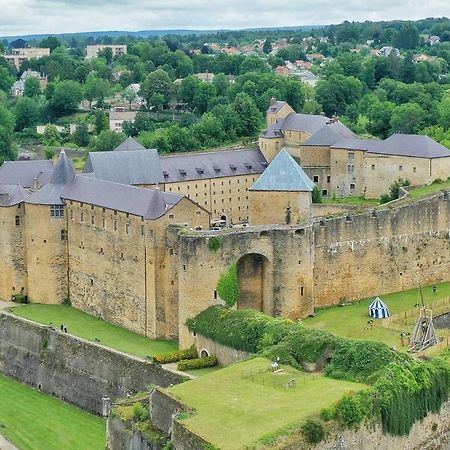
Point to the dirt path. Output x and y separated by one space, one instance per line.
6 445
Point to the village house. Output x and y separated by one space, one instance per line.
18 88
117 118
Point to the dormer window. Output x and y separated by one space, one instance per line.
248 165
182 172
264 164
165 174
233 167
200 170
216 168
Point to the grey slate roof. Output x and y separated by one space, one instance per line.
11 195
50 194
414 145
410 145
126 167
369 145
330 134
276 107
198 166
129 144
23 172
309 123
283 174
147 203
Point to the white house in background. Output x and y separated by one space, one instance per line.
118 117
389 51
40 129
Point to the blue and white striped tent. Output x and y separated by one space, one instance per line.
378 310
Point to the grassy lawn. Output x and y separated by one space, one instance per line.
357 201
432 188
234 410
351 320
36 421
91 328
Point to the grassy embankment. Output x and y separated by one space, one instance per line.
36 421
242 403
352 320
93 329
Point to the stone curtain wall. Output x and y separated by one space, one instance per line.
71 368
387 250
324 261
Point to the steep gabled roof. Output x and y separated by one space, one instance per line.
283 174
126 167
330 134
147 203
129 144
309 123
23 172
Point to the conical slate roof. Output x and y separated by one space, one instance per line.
50 194
64 171
129 144
283 174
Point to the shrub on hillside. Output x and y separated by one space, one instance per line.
197 363
169 357
313 431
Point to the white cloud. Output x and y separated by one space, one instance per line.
60 16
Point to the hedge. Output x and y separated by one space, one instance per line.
197 363
19 298
244 329
165 358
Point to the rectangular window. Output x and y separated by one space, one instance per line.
170 216
63 235
328 179
142 230
71 214
81 217
127 228
414 169
17 221
373 166
115 225
351 155
104 223
316 178
400 168
92 220
57 210
350 168
150 234
352 186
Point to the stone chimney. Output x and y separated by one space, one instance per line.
36 185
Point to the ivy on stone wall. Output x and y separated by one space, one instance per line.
228 286
214 243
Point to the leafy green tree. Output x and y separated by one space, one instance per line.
129 94
221 84
249 117
407 37
51 42
408 118
66 97
267 46
96 89
101 121
187 90
157 100
32 87
6 79
336 93
203 96
81 134
51 136
27 113
157 82
379 115
107 140
106 54
7 149
443 108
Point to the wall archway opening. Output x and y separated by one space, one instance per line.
254 271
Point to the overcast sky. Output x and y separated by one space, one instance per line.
63 16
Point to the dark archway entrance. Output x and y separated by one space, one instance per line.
253 275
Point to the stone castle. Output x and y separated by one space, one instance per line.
128 240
